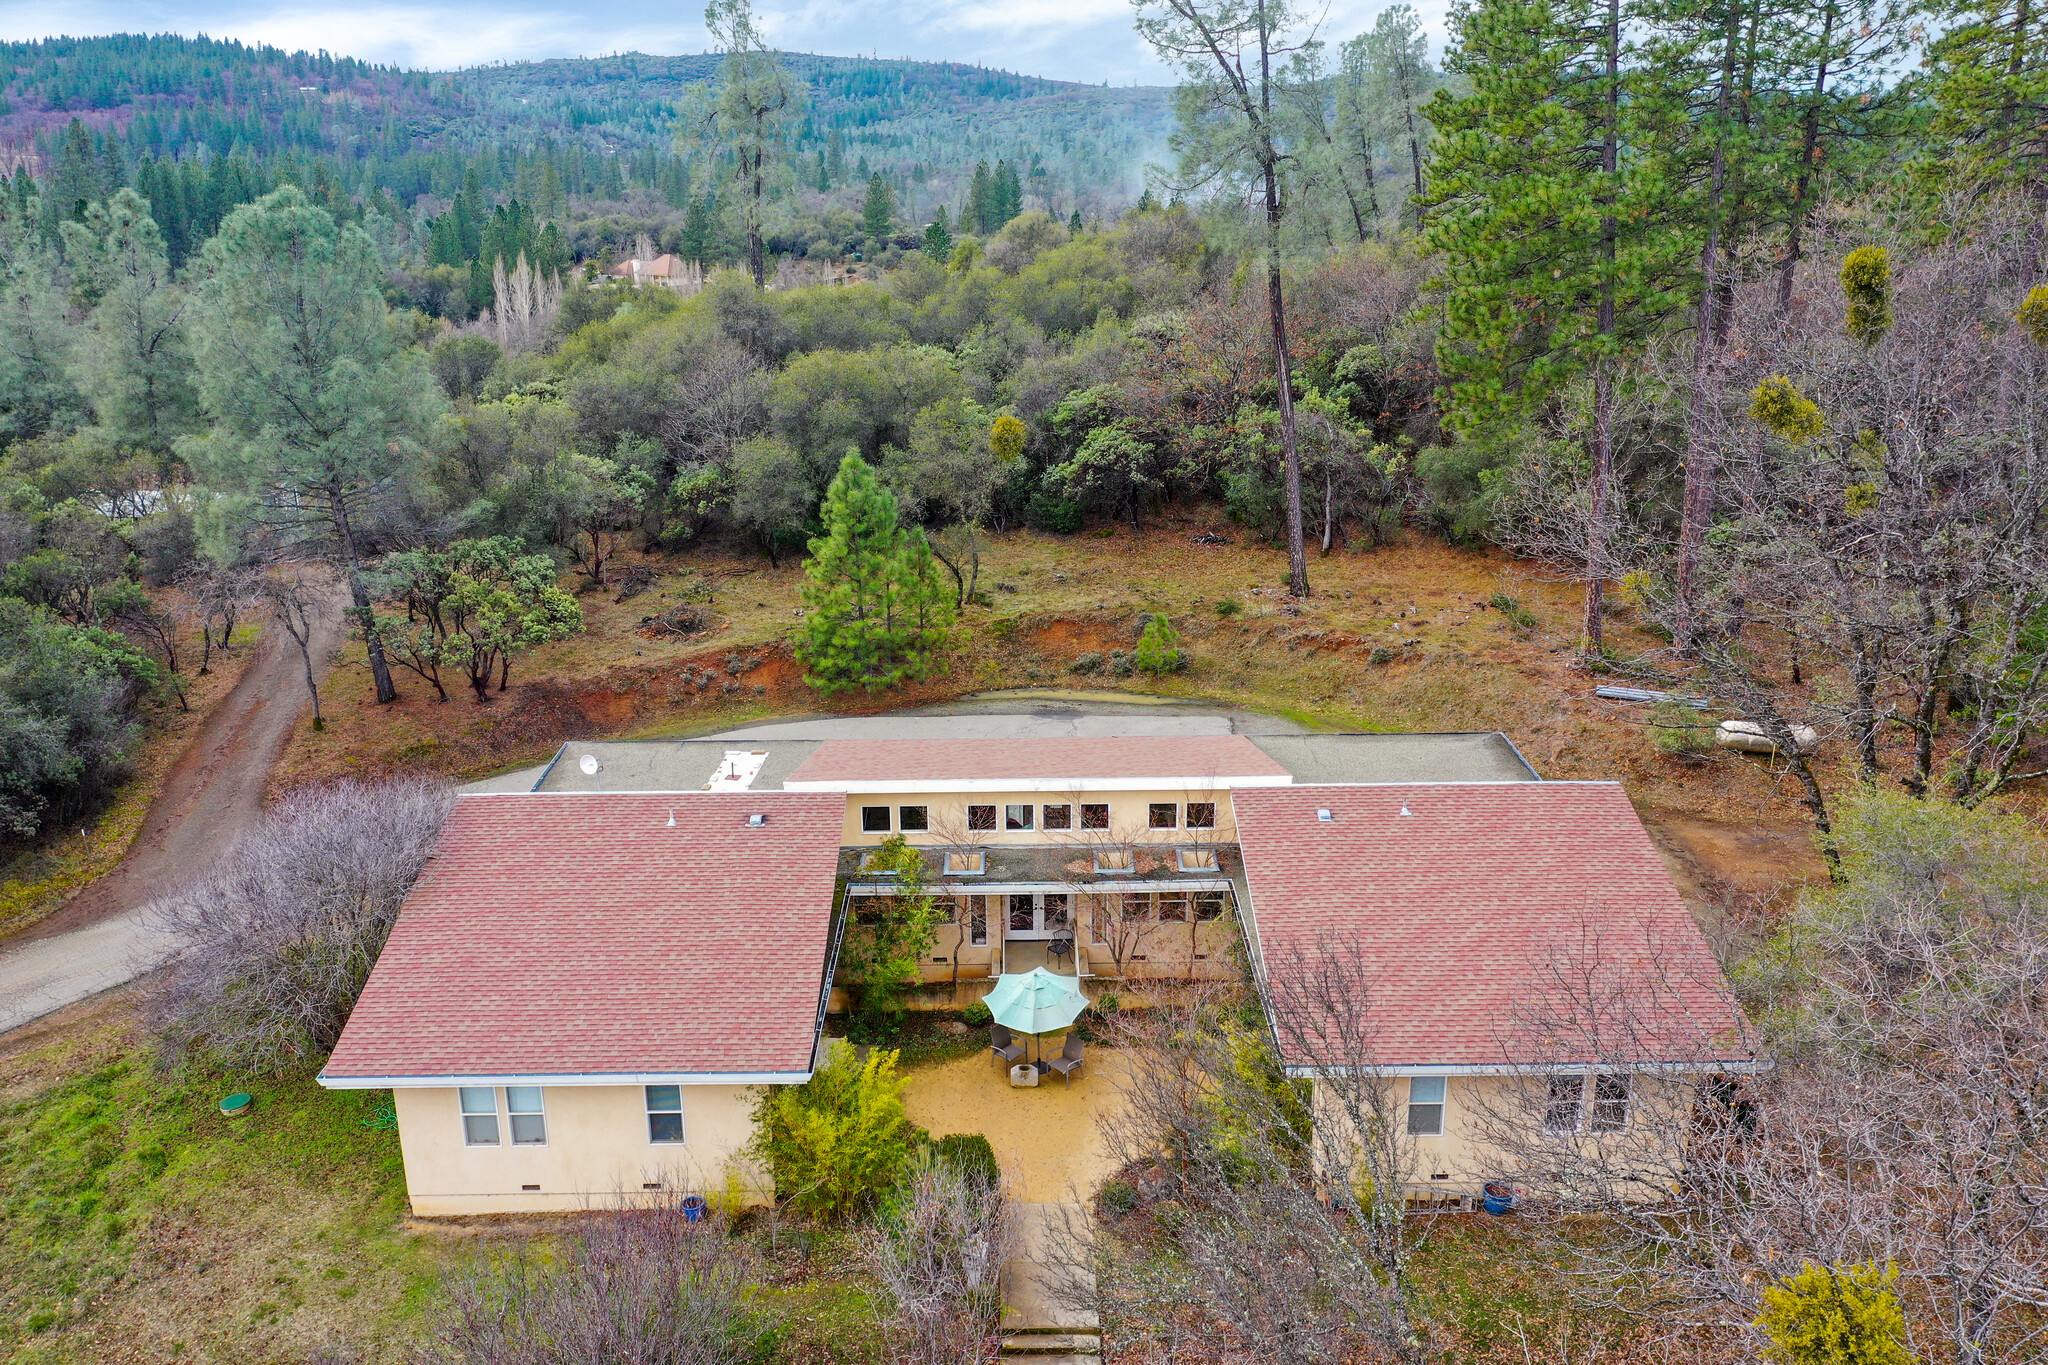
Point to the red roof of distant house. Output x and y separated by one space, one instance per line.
1462 901
577 934
1172 757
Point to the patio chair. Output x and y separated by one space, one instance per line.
1069 1060
1060 949
1004 1046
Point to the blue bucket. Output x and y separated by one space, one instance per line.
1497 1198
694 1207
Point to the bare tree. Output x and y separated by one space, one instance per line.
295 600
642 1284
219 596
278 939
1280 1236
941 1258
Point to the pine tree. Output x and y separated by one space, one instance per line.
938 238
876 611
1988 75
975 217
1074 224
878 212
755 99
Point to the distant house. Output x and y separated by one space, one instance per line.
670 271
594 976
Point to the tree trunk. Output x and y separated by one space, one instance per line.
1809 148
1702 417
1603 377
1329 510
757 261
359 597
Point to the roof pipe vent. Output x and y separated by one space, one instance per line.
757 819
671 817
1323 814
1406 811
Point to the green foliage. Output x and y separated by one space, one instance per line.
1228 607
1781 409
1835 1315
65 723
977 1014
2033 315
878 210
972 1155
876 613
1006 439
887 937
839 1142
938 238
1867 283
474 607
1159 647
1518 616
1680 731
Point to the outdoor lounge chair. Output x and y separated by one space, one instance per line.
1004 1046
1069 1060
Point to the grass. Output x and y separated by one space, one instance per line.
137 1223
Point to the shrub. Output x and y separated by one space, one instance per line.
977 1015
1159 647
280 936
1867 283
972 1155
641 1284
1229 607
1518 616
1680 731
1086 663
941 1258
1119 1196
839 1141
1784 411
1835 1315
879 955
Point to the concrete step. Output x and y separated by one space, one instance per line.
1039 1345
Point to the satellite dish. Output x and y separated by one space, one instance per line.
589 765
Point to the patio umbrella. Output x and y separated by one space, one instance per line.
1036 1001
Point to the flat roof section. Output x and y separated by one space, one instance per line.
905 765
1480 756
671 765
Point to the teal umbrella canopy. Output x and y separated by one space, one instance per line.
1035 1001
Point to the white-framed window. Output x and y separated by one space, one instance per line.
1056 817
1210 905
1610 1104
1425 1106
664 1113
977 921
874 819
1017 817
981 817
1563 1104
911 819
1095 815
1201 815
479 1115
529 1118
1163 815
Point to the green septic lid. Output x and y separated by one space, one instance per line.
237 1103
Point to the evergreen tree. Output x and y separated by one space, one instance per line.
312 402
878 212
1074 224
976 215
1988 76
755 99
699 229
135 365
938 238
876 611
35 345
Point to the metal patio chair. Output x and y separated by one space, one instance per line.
1070 1059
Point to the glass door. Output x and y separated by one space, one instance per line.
1039 915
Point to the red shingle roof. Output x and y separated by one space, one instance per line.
1035 760
1459 903
561 934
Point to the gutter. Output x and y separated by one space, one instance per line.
568 1078
549 770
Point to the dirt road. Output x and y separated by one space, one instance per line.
214 792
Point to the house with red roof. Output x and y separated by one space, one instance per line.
602 966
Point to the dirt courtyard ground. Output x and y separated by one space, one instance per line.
1045 1138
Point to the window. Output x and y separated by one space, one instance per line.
1561 1108
1425 1106
874 819
1137 905
912 819
1100 919
1610 1104
1197 859
664 1113
1201 815
1095 816
948 908
1163 815
869 909
1115 861
977 921
479 1115
1016 817
1173 907
529 1122
1056 817
966 864
1210 905
1055 910
981 817
1021 914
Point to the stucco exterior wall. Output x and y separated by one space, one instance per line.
597 1150
1129 818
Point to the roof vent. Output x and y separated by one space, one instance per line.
671 817
756 820
1323 814
1406 811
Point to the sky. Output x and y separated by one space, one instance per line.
1080 40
